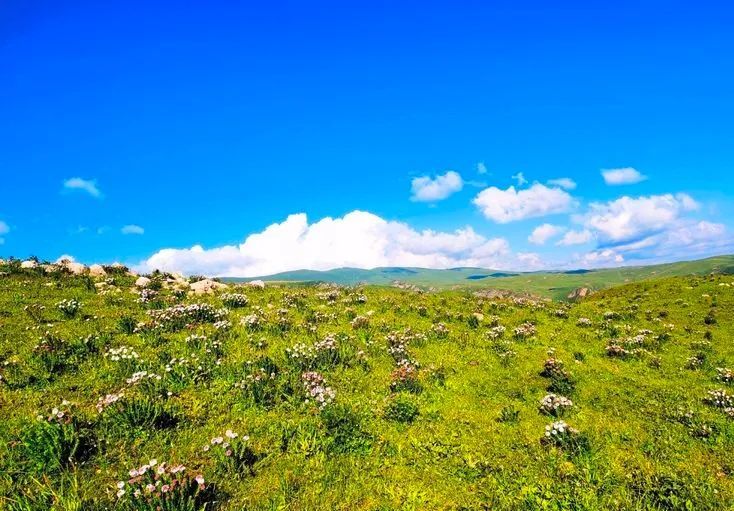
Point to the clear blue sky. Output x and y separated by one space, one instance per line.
204 123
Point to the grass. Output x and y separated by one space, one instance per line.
364 398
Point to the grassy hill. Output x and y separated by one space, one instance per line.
310 398
552 284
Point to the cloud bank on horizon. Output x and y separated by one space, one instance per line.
625 230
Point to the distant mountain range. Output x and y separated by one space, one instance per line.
556 284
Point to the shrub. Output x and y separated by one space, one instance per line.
127 416
401 410
344 428
57 441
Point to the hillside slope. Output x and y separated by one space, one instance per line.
364 399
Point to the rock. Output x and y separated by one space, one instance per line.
50 268
96 270
259 284
75 268
142 282
579 293
30 263
207 286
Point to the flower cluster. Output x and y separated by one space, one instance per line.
121 354
725 375
720 399
360 322
560 434
553 404
525 330
252 321
59 414
142 376
235 300
583 322
405 377
233 452
147 295
156 486
180 316
323 352
108 400
69 307
317 390
496 332
440 330
553 368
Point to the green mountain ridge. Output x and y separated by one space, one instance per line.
555 284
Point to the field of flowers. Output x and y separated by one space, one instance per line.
329 398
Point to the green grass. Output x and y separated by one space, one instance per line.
425 403
555 285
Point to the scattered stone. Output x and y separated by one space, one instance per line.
142 282
30 263
207 286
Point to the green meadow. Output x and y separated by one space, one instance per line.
324 397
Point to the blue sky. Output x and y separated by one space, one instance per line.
133 133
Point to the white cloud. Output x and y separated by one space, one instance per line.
84 185
599 259
626 219
575 238
358 239
543 233
564 182
481 168
520 178
4 229
132 229
509 205
531 261
623 176
426 189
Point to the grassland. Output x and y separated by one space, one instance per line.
366 398
552 284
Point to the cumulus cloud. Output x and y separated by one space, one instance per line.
132 229
564 182
481 168
503 206
358 239
575 238
626 218
543 233
84 185
623 176
648 229
427 189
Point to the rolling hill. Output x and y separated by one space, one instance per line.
555 284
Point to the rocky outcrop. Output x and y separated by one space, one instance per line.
579 293
97 270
